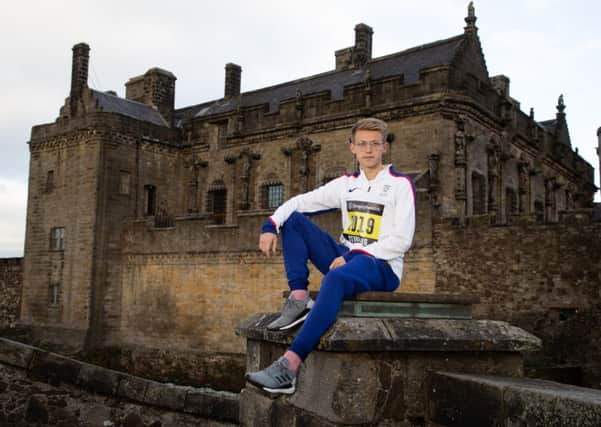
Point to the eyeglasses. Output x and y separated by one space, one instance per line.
371 144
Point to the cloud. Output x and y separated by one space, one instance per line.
13 194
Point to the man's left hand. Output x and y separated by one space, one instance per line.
338 262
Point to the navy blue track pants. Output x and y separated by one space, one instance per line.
302 240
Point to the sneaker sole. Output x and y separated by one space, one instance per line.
287 390
296 322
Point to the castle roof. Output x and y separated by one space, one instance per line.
113 104
407 63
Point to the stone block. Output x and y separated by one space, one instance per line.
53 368
356 334
339 387
98 379
458 335
15 354
485 400
456 403
132 388
213 404
166 396
256 408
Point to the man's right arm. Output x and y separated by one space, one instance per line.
324 198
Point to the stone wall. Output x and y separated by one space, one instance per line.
41 388
11 281
544 278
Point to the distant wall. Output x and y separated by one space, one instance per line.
11 281
544 278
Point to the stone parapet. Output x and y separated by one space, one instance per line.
375 371
54 369
483 400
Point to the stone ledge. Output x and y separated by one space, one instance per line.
373 334
438 298
15 354
53 368
485 400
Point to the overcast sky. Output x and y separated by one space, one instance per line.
546 48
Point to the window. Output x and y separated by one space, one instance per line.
273 196
49 181
124 183
54 294
511 202
57 239
150 200
478 194
539 210
216 204
221 134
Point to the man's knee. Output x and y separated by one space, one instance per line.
294 220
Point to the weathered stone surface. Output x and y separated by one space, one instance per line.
165 395
339 387
213 404
458 335
133 388
357 334
482 400
99 379
372 334
256 408
53 368
27 402
14 353
11 282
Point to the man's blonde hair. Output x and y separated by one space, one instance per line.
370 123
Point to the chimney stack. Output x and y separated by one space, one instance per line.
79 73
156 87
233 76
363 40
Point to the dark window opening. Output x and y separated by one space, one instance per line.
124 183
478 194
539 210
273 196
217 204
49 181
221 134
511 202
150 200
54 294
57 239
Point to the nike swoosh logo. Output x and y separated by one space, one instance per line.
352 189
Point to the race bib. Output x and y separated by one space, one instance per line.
365 219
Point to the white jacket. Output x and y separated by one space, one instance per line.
378 216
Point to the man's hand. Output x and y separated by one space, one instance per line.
338 262
268 243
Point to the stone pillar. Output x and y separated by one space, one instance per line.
375 370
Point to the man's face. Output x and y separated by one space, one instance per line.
369 148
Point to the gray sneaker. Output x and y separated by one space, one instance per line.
293 313
276 378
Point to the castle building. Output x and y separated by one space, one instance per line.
143 219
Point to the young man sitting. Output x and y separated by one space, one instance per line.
378 222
